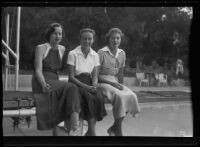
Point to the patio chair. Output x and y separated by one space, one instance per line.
162 79
141 79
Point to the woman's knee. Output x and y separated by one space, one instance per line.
73 92
72 86
117 101
99 93
134 95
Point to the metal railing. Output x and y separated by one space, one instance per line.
9 50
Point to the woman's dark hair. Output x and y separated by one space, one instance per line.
87 30
111 31
51 29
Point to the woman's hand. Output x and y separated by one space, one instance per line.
117 85
91 89
46 88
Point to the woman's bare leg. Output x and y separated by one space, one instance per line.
91 127
74 121
116 128
55 131
74 124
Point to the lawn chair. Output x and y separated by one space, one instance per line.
162 79
141 79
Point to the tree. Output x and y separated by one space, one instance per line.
148 30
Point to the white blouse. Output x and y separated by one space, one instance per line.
83 65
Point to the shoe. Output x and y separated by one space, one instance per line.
86 134
76 132
110 132
60 131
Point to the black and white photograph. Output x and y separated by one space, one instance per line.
79 71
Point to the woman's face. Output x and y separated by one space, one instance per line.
114 40
56 36
87 40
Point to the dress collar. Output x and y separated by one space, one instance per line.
49 47
79 51
106 49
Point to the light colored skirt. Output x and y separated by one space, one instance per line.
123 101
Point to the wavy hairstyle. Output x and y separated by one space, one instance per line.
51 29
87 30
111 31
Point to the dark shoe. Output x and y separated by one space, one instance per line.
86 134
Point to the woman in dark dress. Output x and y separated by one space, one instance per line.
83 64
61 101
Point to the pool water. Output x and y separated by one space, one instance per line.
161 119
170 119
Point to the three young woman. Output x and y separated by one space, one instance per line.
92 78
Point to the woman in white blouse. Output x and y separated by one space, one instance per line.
83 64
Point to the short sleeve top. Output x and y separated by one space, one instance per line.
83 65
110 64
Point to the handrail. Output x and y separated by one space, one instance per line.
10 50
4 55
7 61
17 47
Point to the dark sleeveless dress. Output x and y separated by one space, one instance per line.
57 105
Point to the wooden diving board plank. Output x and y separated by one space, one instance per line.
13 95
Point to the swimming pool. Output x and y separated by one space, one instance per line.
170 119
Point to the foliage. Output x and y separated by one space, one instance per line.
148 30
